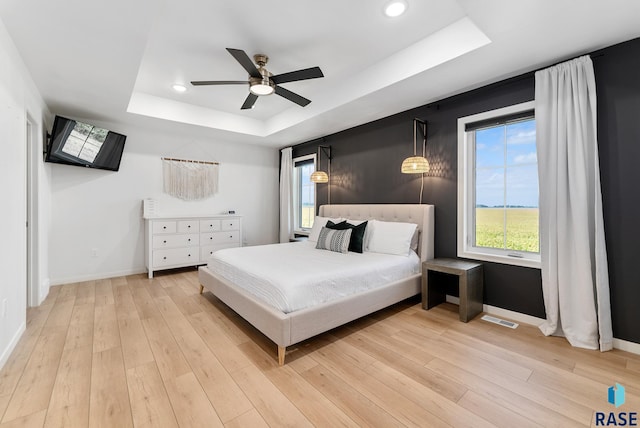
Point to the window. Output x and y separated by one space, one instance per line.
304 193
498 216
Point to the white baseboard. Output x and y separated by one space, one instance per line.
43 291
93 277
504 313
515 316
12 345
623 345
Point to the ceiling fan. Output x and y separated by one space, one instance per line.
261 82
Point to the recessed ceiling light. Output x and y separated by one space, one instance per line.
179 88
395 8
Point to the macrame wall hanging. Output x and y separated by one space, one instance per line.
190 180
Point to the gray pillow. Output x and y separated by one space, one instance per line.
334 240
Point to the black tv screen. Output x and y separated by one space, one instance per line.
80 144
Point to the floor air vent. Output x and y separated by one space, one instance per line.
500 321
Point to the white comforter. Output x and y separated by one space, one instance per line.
295 275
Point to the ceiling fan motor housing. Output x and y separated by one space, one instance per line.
265 82
261 59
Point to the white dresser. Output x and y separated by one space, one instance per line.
178 241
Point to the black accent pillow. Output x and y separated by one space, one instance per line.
356 243
337 226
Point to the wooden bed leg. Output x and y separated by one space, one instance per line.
281 352
201 288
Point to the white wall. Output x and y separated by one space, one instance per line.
93 209
19 98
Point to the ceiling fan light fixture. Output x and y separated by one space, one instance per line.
395 8
261 89
261 86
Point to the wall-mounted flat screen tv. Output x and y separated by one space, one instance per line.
81 144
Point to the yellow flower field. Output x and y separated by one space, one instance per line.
521 228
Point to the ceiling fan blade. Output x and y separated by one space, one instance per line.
219 82
292 96
292 76
249 102
245 62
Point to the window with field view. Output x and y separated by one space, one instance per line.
506 214
499 201
304 190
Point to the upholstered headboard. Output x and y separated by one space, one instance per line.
422 215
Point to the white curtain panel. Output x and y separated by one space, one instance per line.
286 195
575 278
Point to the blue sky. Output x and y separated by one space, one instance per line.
509 150
307 186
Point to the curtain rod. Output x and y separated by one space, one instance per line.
509 80
191 161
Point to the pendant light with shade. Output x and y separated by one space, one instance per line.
417 164
320 176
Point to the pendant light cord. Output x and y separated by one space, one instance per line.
424 146
415 132
329 182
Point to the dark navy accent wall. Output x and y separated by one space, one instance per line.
618 88
366 169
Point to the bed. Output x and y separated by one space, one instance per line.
290 324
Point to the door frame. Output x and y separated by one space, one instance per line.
32 157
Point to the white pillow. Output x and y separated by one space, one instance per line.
391 237
415 239
318 224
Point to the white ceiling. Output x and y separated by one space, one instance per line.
116 60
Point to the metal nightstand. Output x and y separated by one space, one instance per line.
470 285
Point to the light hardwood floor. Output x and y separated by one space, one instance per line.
153 353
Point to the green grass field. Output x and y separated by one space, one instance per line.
521 228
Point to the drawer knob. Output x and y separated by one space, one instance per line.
210 225
164 242
231 236
188 255
189 227
164 258
164 227
211 237
189 239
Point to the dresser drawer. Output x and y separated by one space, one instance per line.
175 256
212 225
207 251
231 236
164 227
230 224
188 226
177 240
